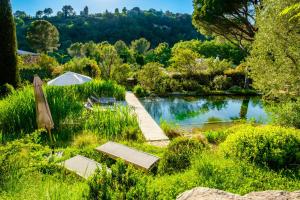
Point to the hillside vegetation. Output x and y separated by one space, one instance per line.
155 26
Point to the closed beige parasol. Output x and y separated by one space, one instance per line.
43 114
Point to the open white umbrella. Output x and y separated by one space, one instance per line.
69 78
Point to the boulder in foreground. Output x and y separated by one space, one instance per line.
213 194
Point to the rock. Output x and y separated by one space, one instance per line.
207 194
273 195
214 194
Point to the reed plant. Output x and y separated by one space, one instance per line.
114 122
96 88
17 111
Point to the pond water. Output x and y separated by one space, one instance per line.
209 112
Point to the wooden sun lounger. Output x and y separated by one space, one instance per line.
104 100
108 100
132 156
89 104
81 165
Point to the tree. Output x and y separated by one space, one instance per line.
20 14
140 46
151 77
108 60
59 14
185 61
275 55
39 14
123 51
8 46
121 73
231 19
124 11
76 50
84 66
162 53
85 11
159 28
43 36
68 11
91 50
117 12
48 12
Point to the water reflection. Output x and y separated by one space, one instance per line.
197 111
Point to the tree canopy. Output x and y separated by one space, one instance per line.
68 11
43 36
231 19
128 25
8 46
275 56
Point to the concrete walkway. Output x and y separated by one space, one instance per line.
150 129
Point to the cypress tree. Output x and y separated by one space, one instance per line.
8 45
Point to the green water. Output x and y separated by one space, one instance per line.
212 111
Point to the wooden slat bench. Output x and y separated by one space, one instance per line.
132 156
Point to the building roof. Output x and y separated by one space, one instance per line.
24 53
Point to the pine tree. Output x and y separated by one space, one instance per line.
8 45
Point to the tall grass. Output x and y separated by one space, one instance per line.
113 122
17 111
96 87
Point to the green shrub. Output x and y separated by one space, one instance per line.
84 140
177 156
151 78
18 156
286 114
27 172
190 85
170 129
221 82
238 176
6 89
84 66
47 63
121 73
214 66
237 75
123 182
272 146
174 85
215 137
139 91
27 74
43 66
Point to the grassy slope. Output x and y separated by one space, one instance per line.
208 169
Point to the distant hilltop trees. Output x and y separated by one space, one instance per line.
122 24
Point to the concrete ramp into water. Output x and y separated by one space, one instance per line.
150 129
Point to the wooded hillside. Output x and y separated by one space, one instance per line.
155 26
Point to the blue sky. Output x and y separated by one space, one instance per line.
96 6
